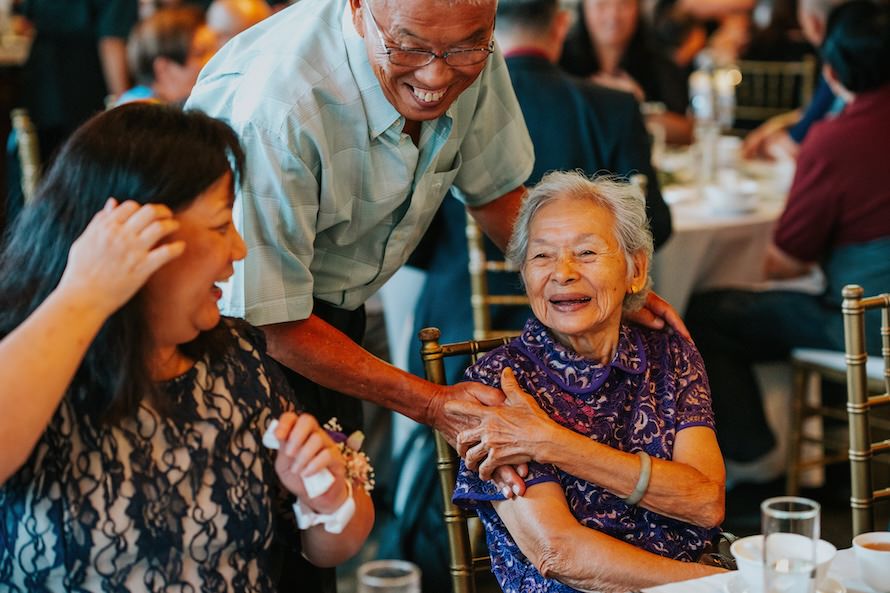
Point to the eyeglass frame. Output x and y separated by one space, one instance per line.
489 49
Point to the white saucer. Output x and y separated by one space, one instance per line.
738 585
734 209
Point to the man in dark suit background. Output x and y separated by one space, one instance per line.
573 125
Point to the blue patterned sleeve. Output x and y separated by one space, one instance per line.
471 491
693 390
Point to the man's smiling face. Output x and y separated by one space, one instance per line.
425 92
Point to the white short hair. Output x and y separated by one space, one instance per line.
624 200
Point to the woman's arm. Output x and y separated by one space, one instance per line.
690 488
307 449
112 259
561 548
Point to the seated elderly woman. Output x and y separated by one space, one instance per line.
626 481
133 460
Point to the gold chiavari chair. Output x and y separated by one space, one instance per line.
771 88
28 152
860 404
481 300
464 562
810 367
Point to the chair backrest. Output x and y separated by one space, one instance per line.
463 563
28 152
481 300
772 88
859 403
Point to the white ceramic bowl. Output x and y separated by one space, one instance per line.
874 564
748 554
737 199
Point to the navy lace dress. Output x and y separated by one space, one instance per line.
653 388
186 502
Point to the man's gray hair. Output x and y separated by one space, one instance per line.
624 200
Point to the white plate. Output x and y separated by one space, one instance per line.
738 585
734 209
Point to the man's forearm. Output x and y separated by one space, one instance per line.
321 353
496 218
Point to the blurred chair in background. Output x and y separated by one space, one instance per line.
28 152
768 89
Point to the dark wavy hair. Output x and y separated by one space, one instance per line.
857 44
579 56
148 153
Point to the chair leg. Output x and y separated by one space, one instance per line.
798 400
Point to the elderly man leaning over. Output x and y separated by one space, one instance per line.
357 117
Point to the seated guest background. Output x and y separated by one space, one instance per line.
166 52
784 133
573 124
610 44
626 481
227 18
148 471
837 216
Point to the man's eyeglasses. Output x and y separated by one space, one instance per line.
418 58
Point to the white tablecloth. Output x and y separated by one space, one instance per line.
713 250
843 570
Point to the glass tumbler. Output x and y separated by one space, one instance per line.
790 528
388 576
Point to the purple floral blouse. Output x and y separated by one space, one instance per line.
655 386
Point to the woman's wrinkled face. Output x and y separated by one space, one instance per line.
181 298
611 22
575 273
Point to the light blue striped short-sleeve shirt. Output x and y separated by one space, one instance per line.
335 197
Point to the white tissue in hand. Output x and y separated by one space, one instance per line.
269 439
316 484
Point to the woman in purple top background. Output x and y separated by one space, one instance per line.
625 478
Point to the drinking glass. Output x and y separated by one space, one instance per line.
790 527
388 576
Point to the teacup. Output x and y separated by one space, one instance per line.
748 554
873 557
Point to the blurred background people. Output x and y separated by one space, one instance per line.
837 216
76 62
227 18
166 52
77 59
783 134
610 45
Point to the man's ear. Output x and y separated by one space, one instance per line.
837 87
358 16
562 20
161 67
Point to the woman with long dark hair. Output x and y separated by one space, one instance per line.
609 45
148 469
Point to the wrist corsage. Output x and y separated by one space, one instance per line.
358 467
